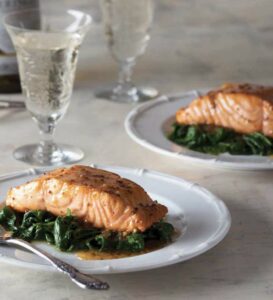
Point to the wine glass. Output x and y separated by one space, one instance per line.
127 26
47 46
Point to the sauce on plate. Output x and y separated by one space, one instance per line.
98 255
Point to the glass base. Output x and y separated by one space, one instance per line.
64 154
140 95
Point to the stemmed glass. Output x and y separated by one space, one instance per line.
47 46
127 26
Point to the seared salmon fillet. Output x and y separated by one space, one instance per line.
100 198
245 108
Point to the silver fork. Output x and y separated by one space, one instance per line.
82 280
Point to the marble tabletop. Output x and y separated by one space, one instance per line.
195 44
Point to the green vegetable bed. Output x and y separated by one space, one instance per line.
69 234
216 140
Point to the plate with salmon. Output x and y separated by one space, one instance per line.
228 127
108 219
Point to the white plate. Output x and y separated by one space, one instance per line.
202 219
149 123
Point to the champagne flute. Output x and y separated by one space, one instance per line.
47 46
127 26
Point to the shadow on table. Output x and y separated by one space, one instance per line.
243 255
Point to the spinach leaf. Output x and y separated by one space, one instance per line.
160 231
217 140
8 219
64 232
133 242
67 233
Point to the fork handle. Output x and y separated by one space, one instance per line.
12 104
82 280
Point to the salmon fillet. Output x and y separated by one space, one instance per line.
245 108
101 198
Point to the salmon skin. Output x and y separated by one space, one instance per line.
97 197
245 108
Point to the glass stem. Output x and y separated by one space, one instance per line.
125 88
125 73
47 145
